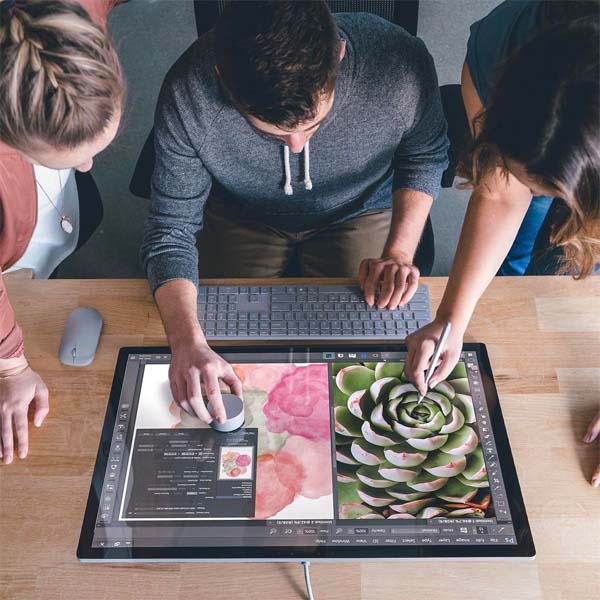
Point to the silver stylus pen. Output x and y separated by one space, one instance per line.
436 355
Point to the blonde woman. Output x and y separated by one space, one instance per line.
61 95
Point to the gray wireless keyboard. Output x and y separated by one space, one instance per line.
283 312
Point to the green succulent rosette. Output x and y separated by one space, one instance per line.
399 459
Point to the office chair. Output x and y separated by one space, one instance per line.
400 12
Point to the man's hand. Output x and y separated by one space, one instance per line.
194 368
396 281
593 432
17 392
421 346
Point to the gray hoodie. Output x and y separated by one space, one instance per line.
385 131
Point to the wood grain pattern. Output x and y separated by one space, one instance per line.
543 339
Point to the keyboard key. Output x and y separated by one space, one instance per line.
280 306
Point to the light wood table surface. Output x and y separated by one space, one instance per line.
543 337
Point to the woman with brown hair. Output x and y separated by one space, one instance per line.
534 164
61 95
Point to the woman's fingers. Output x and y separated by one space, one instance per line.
421 360
7 436
596 477
22 433
593 431
447 363
41 404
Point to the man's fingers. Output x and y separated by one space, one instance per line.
213 394
185 406
41 403
22 432
234 383
400 286
194 397
412 283
179 391
593 431
363 270
371 283
388 285
7 437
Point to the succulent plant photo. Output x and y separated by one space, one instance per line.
397 459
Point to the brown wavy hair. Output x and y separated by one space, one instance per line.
545 114
277 59
61 81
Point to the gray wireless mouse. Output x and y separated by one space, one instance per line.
80 338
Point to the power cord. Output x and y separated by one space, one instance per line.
306 565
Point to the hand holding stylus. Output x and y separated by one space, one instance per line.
436 356
421 346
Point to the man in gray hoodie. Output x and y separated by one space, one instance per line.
287 130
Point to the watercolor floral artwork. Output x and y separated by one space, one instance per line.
400 459
235 462
289 406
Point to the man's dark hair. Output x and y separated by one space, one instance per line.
277 59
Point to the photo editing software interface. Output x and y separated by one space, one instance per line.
335 450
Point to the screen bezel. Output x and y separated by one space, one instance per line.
524 549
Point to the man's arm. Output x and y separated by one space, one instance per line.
193 365
180 187
419 161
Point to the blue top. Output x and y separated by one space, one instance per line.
493 39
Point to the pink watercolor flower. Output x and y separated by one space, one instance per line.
243 460
277 482
314 458
261 377
299 403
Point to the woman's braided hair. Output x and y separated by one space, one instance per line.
61 81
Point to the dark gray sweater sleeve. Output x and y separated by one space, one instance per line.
180 187
422 154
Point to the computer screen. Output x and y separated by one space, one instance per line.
336 451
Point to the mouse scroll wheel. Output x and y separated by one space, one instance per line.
74 354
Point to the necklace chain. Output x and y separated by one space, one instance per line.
65 222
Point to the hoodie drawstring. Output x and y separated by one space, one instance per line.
287 187
307 181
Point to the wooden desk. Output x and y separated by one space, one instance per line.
543 336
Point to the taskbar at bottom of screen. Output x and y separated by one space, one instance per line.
484 540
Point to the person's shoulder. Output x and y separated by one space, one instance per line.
496 36
505 28
381 46
371 31
195 67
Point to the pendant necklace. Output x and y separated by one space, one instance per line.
65 222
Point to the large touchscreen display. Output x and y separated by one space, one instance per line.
335 450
